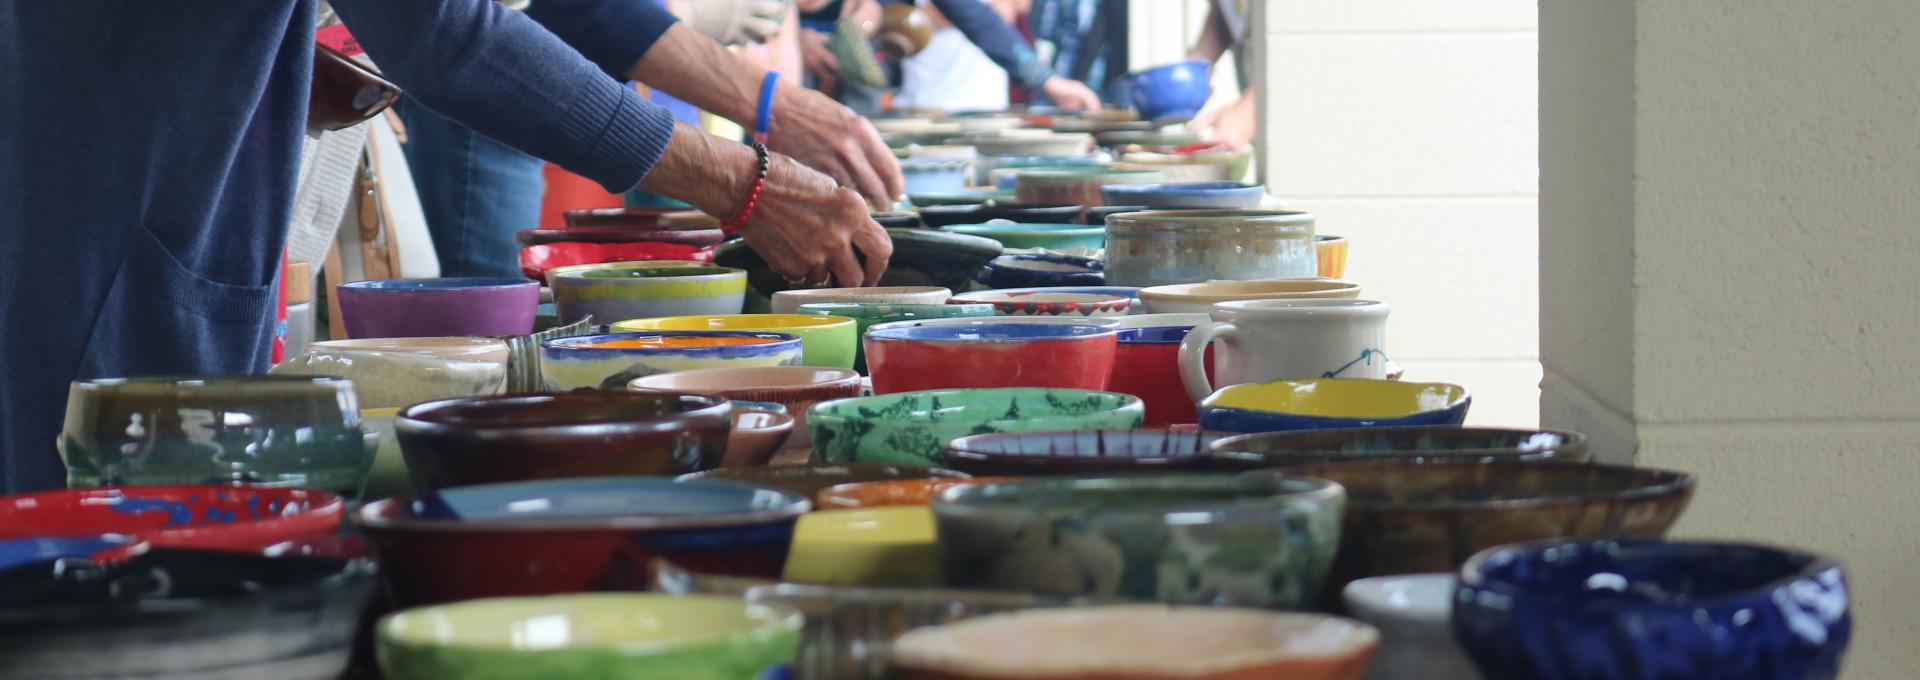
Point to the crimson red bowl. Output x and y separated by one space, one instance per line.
1147 365
200 516
909 358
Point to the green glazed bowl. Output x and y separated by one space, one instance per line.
914 427
627 636
1191 539
867 315
1057 237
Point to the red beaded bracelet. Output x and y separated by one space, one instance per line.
753 194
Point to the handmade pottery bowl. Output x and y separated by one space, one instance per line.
1152 538
1164 138
609 361
1078 186
866 316
1167 247
937 216
520 437
1321 403
1412 613
884 546
274 430
185 615
396 372
1186 195
915 358
1093 452
935 175
810 480
756 436
971 322
827 341
195 516
1042 270
634 290
698 236
1121 291
796 387
1055 237
896 493
914 427
988 168
573 535
423 308
1201 297
897 220
1097 215
1332 254
1217 164
1171 93
1138 642
1146 364
1304 447
921 257
1408 516
789 301
1041 143
633 217
624 635
968 196
1612 610
1070 305
1173 320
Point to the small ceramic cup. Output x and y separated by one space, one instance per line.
913 358
420 308
789 301
1262 340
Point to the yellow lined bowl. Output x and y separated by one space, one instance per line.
1319 403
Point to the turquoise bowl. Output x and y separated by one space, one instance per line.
1057 237
915 427
1324 403
867 315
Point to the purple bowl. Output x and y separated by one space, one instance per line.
411 308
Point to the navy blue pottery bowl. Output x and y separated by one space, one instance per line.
937 216
1647 610
1171 93
1043 270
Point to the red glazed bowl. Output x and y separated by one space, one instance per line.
1146 364
908 358
198 516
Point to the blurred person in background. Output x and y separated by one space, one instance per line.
1226 28
1086 40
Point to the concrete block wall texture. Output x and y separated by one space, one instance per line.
1410 127
1729 201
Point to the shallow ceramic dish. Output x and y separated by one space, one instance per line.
421 308
573 535
632 290
1172 93
796 387
184 615
915 427
1200 297
609 361
1613 610
396 372
895 493
907 358
1093 452
1303 447
866 316
197 516
1138 642
1411 516
789 301
1412 612
826 341
274 430
1069 305
520 437
1042 143
1186 195
1043 270
641 637
1332 253
1077 186
937 216
886 546
1057 237
810 480
1321 403
921 257
1146 537
1166 247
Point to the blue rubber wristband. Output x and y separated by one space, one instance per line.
763 119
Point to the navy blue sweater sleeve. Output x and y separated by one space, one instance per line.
993 36
503 75
611 33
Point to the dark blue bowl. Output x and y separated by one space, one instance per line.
1043 270
1171 93
1652 610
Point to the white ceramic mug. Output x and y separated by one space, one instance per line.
1264 340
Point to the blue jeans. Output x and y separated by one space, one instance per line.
475 191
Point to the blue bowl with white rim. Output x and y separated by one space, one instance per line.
911 358
609 361
1186 195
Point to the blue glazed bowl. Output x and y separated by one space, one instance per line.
1322 403
1633 610
1170 93
1185 195
1024 271
1037 235
587 361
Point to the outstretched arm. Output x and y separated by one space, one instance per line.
986 30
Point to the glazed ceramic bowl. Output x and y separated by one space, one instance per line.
1186 195
1409 516
1138 642
921 257
1611 610
1171 93
988 168
915 358
882 546
1055 237
184 615
1201 297
1216 164
609 635
273 430
757 435
1146 364
633 290
896 493
421 308
697 236
1321 403
1146 537
631 217
1167 247
1097 215
1412 613
937 216
796 387
194 516
810 480
573 535
1094 452
1169 320
897 220
520 437
64 545
1163 138
914 427
971 322
866 316
609 361
1078 186
1042 143
935 175
789 301
1305 447
827 341
1068 305
967 196
1332 254
1043 270
396 372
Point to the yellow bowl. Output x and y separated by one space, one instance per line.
890 546
1322 403
826 341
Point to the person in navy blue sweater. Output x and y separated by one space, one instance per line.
148 154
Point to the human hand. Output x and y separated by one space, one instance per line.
818 59
1232 125
732 22
830 138
806 228
1070 95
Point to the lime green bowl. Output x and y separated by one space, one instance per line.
610 635
826 341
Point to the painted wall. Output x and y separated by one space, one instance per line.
1410 126
1730 192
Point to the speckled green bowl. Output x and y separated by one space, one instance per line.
628 636
914 427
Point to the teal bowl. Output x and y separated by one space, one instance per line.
1324 403
1057 237
915 427
866 315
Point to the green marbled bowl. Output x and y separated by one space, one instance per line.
914 427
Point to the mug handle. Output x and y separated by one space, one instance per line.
1193 355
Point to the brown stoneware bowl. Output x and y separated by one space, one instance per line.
1307 447
810 480
484 440
1086 452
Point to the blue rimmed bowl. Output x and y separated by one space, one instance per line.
1321 403
424 308
1186 195
1171 93
907 358
609 361
867 315
1043 270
